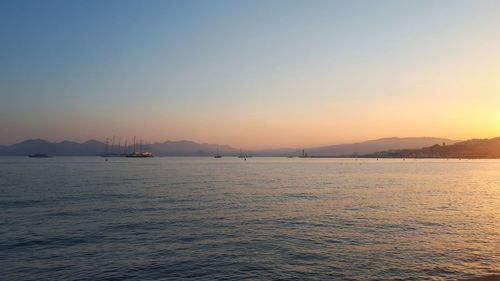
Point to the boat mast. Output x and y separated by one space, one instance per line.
106 146
112 144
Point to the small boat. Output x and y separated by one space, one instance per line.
218 155
241 155
111 152
113 155
139 154
39 156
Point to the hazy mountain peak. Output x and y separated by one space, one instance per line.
371 146
92 141
190 148
33 141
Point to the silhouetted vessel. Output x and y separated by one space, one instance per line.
218 155
140 153
111 153
241 155
304 154
39 156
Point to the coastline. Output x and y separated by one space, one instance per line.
493 277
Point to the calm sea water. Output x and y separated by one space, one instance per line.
262 219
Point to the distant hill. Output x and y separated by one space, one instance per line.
475 148
361 148
190 148
34 146
93 147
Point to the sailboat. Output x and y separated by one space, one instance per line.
218 155
140 153
39 156
111 153
241 155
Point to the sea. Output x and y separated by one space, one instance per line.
189 218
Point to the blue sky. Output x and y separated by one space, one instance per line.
249 73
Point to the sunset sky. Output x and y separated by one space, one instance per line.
252 74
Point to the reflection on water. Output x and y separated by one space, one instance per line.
264 218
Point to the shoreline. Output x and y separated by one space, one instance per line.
493 277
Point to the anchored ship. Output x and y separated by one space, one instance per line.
218 154
139 153
39 156
110 151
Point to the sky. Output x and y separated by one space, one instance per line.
252 74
